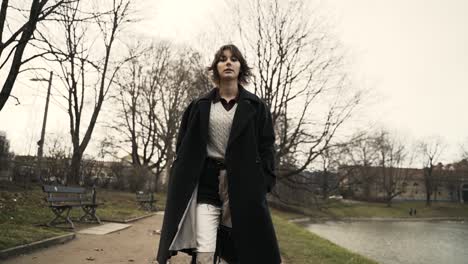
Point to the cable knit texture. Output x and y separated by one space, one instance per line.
219 129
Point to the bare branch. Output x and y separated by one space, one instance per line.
37 12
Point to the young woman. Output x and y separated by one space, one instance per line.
223 169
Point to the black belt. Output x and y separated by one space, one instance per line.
216 162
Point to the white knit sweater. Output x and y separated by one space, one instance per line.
219 129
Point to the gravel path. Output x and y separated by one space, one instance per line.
136 244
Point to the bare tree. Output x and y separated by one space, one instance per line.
188 79
14 38
154 89
119 175
58 156
393 155
327 165
92 172
375 162
300 77
464 150
87 67
358 163
332 160
430 151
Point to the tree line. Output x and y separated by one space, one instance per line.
144 85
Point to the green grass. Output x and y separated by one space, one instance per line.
285 214
23 213
15 235
120 205
298 245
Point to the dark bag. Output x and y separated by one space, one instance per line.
225 247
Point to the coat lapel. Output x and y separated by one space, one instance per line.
205 106
244 112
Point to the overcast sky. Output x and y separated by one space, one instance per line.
413 54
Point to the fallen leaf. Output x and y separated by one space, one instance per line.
155 232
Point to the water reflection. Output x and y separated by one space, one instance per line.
400 242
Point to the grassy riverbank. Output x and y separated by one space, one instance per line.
354 209
24 213
303 247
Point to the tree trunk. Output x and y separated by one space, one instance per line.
367 191
325 186
428 199
389 200
75 168
156 182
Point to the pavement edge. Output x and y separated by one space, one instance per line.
131 219
27 248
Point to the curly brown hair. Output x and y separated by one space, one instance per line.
245 72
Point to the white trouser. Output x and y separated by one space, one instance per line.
207 226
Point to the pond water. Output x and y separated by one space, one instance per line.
400 242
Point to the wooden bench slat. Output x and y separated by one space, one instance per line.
145 197
64 205
92 203
63 199
62 189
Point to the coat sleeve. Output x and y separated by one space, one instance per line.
183 126
266 147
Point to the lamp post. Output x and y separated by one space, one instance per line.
40 143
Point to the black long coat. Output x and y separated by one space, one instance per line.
250 165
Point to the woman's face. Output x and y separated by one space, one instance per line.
228 66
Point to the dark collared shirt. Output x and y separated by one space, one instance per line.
227 105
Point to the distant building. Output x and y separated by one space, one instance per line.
306 188
56 170
449 183
105 171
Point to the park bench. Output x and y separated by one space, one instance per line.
145 200
62 199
